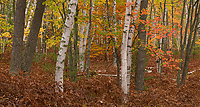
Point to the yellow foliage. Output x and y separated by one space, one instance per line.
6 34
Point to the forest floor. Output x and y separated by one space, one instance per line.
98 91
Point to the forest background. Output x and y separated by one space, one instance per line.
102 52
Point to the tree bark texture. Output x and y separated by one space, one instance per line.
124 47
190 43
63 44
89 40
29 50
16 55
130 42
141 55
181 44
81 43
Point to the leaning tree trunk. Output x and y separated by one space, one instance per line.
28 24
141 55
124 50
29 50
26 11
63 44
190 44
16 57
181 41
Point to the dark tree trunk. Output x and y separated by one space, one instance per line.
141 56
33 36
181 43
190 44
173 43
17 47
89 40
71 60
74 56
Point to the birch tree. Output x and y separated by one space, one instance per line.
28 23
191 37
130 39
81 43
64 42
114 25
124 48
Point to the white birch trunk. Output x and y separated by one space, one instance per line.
93 36
129 46
83 41
186 15
29 20
26 11
124 47
63 44
114 23
160 60
82 47
81 44
85 38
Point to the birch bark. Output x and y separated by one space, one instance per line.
28 24
124 47
130 41
81 45
63 44
114 24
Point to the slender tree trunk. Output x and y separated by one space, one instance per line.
189 44
141 56
109 28
173 43
8 11
164 23
89 41
28 24
16 57
181 43
71 60
150 17
115 39
26 11
160 46
73 74
85 39
81 43
63 44
167 37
